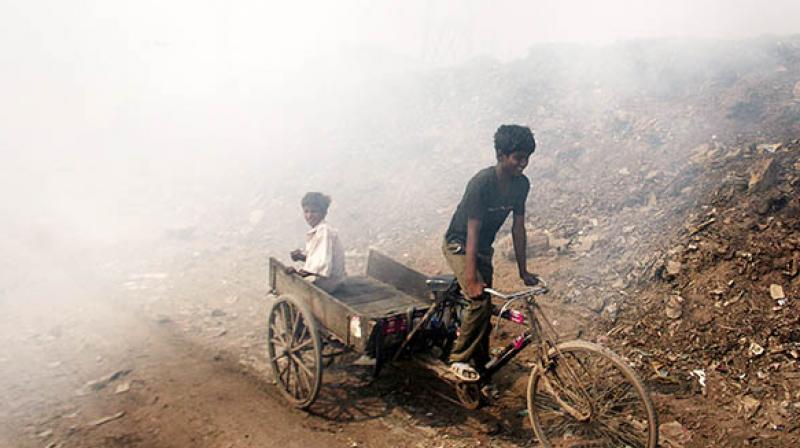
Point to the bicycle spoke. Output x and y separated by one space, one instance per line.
587 400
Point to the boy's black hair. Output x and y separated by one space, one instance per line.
316 200
511 138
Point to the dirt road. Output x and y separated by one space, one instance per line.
158 363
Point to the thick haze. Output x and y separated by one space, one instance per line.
109 105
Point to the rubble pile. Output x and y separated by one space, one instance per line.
720 319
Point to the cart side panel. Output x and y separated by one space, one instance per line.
384 269
329 312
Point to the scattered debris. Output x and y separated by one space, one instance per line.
101 383
674 434
106 419
674 307
776 292
749 406
123 387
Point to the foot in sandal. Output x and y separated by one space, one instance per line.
464 372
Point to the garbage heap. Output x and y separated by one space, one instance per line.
719 324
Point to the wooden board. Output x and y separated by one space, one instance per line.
386 270
372 298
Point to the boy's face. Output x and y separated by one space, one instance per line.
514 163
313 215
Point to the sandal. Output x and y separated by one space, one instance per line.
464 372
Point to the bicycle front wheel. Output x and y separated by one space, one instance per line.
589 397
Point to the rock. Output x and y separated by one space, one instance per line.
749 406
776 292
596 303
797 91
560 244
586 242
762 176
45 434
674 307
537 245
106 419
673 434
673 268
768 147
100 383
756 349
216 312
123 387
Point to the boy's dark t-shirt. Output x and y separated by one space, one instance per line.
483 200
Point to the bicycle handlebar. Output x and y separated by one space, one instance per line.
530 292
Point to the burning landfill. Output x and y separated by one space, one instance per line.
664 210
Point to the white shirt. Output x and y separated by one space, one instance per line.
325 256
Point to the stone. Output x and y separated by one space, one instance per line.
537 245
104 420
762 176
776 292
797 91
749 406
674 434
595 303
586 242
673 268
768 147
756 349
674 307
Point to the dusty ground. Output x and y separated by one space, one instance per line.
175 357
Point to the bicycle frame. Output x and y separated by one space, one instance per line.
528 319
512 349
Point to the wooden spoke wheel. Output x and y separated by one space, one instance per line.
294 351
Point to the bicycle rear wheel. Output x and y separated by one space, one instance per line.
589 397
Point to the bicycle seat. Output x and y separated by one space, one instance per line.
441 283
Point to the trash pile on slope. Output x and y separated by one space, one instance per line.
722 318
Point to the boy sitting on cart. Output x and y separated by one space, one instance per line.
489 197
323 256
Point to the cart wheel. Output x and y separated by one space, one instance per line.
294 351
469 394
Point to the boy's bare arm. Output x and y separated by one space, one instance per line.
474 289
520 239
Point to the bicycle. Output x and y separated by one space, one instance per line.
579 393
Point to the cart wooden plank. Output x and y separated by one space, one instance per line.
350 313
372 298
384 269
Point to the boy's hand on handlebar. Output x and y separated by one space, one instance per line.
529 279
475 289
